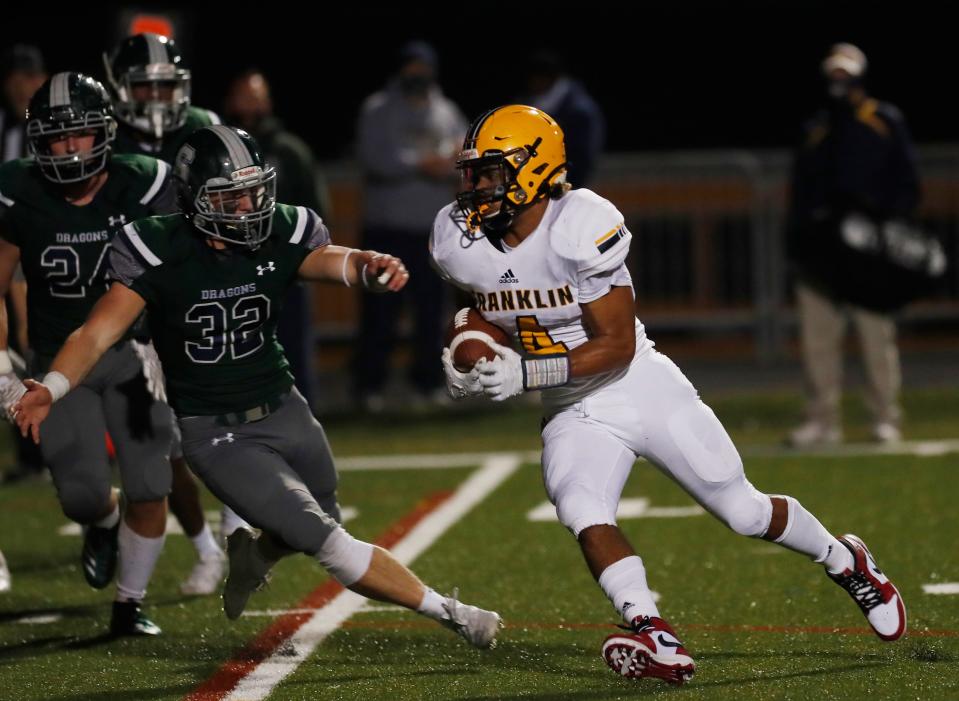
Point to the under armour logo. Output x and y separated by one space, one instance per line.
228 438
117 221
260 269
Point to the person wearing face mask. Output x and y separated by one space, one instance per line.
408 135
855 165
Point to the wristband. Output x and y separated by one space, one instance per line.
346 259
543 373
57 383
6 365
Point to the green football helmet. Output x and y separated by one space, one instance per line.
70 102
226 188
150 83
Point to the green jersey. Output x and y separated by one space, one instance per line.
166 148
212 313
63 247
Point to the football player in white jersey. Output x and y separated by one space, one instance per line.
547 264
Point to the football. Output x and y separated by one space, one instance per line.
468 338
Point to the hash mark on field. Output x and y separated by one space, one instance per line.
40 619
943 589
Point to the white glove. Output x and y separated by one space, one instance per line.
11 389
152 370
501 377
460 384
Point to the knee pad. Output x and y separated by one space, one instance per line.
344 557
578 507
82 502
743 508
306 531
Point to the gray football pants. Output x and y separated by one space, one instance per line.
276 473
113 398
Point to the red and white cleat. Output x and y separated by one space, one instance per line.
872 591
649 648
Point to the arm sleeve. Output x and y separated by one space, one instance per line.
309 233
128 266
600 283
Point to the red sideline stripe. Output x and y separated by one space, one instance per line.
263 645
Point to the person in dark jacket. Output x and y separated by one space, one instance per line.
855 166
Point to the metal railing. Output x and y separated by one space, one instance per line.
708 240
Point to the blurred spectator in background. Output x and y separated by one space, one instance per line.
408 136
855 165
249 106
22 71
550 89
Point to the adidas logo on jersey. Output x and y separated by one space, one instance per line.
508 278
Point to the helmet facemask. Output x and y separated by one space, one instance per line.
154 99
71 167
491 208
238 211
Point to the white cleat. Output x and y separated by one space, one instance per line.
248 572
206 575
872 591
814 434
886 433
478 626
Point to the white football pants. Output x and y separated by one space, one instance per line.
654 412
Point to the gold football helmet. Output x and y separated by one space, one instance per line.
512 157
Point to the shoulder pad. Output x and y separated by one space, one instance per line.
301 226
589 231
149 174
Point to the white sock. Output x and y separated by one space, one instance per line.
838 559
138 557
111 519
230 521
804 534
432 605
625 585
205 544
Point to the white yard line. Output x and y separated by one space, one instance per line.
261 681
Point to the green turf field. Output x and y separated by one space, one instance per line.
762 623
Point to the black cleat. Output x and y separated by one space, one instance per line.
99 555
128 619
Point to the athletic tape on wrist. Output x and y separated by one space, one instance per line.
57 383
6 365
543 373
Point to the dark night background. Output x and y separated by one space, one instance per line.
676 76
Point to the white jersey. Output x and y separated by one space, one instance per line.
533 291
